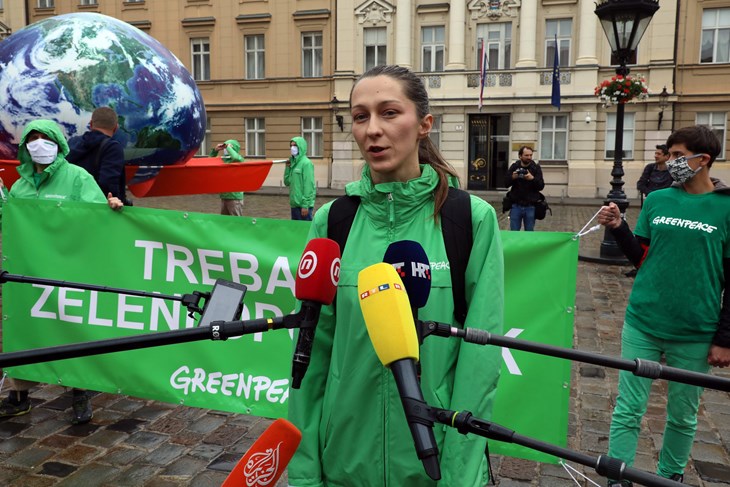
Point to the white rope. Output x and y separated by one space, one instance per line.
569 468
2 380
594 228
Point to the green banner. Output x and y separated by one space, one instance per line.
175 253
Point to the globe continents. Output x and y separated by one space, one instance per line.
64 67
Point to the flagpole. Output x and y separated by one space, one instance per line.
483 74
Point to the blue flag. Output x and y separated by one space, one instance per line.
555 98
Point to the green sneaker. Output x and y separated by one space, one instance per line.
9 409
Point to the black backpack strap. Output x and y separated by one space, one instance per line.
340 218
457 231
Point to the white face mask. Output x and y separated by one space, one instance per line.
294 150
225 153
42 151
680 169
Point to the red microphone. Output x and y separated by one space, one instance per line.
316 284
266 460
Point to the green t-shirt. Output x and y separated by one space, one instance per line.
677 295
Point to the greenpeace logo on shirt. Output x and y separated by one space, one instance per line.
440 266
681 222
55 196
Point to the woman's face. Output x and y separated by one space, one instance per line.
387 129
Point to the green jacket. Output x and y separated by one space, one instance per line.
60 180
299 176
348 408
234 155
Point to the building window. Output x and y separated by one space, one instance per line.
715 46
255 137
312 54
715 121
499 45
200 49
375 52
45 3
563 28
628 142
205 144
88 2
553 138
313 134
432 48
255 56
435 134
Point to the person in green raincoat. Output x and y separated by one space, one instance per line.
299 177
231 203
45 174
348 408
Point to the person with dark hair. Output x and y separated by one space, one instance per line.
655 175
681 244
348 408
45 174
101 155
525 178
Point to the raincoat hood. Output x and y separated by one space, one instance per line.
302 146
234 145
53 131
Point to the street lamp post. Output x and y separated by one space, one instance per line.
624 22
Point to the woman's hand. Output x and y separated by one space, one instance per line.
610 216
114 202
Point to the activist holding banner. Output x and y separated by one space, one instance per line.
348 408
46 174
299 177
681 244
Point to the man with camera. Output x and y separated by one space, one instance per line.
525 179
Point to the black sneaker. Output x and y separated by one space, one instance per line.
81 412
620 483
9 409
677 477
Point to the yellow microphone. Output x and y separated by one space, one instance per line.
389 320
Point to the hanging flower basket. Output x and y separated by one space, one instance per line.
622 89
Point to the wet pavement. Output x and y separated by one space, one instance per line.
137 442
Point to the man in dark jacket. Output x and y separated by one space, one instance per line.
655 175
525 179
100 155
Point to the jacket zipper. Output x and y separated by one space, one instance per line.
391 218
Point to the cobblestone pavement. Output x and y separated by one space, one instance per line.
136 442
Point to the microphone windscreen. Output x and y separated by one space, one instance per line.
318 272
387 313
266 460
412 265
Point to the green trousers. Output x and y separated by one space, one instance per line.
633 394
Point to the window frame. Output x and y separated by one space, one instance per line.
714 126
313 135
436 130
205 143
715 30
563 38
88 2
377 47
316 51
504 45
199 71
46 4
255 136
629 135
434 48
550 155
258 53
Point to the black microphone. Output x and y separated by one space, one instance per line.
412 265
316 284
389 322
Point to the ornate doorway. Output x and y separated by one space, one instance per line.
488 151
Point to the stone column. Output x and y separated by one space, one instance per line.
588 25
457 36
404 33
528 34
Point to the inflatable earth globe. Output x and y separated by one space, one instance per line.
64 67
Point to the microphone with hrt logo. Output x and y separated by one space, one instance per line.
316 284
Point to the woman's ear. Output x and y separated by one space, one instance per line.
425 126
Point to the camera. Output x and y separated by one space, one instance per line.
521 172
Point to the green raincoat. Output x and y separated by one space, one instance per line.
348 408
234 155
299 176
60 180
